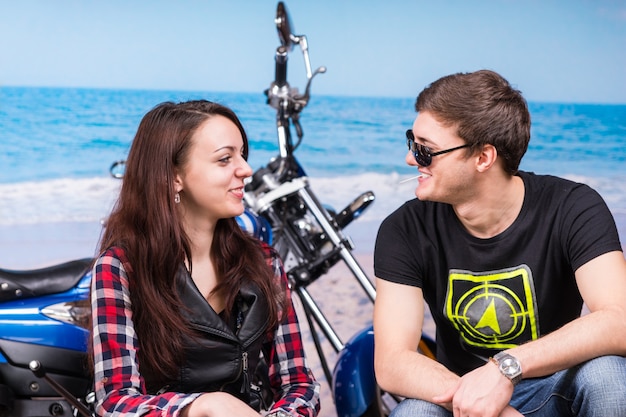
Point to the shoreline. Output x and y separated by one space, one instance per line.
31 246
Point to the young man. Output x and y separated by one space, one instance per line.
505 260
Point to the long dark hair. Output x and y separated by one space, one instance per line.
145 222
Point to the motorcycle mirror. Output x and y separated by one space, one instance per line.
283 25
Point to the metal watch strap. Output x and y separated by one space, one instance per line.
505 362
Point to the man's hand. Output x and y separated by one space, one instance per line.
484 392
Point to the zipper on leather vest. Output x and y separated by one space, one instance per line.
244 365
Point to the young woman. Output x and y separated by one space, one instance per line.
184 301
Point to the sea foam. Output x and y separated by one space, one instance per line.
91 199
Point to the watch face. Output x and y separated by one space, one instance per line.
509 366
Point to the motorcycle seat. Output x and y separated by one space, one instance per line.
19 284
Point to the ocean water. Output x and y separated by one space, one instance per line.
57 144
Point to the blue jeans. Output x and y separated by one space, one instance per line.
592 389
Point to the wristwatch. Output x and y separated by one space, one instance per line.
278 413
509 366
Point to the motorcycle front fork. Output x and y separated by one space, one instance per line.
311 308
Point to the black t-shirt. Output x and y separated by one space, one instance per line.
487 295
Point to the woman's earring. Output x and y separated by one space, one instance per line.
177 198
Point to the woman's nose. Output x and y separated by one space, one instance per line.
245 170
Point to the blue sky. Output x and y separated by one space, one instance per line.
564 51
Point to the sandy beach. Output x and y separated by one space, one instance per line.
337 293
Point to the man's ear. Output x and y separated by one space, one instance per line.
486 158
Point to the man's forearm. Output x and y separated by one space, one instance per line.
595 334
411 374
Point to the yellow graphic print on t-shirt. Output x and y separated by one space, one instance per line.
495 309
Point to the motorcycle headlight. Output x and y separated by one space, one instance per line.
77 313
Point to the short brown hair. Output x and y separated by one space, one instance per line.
485 109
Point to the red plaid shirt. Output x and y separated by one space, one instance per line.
120 388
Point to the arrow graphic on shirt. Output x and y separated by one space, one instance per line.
490 318
493 309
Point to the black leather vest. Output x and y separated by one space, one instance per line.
221 359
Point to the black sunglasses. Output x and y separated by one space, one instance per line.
423 155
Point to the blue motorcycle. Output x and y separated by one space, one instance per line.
44 328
